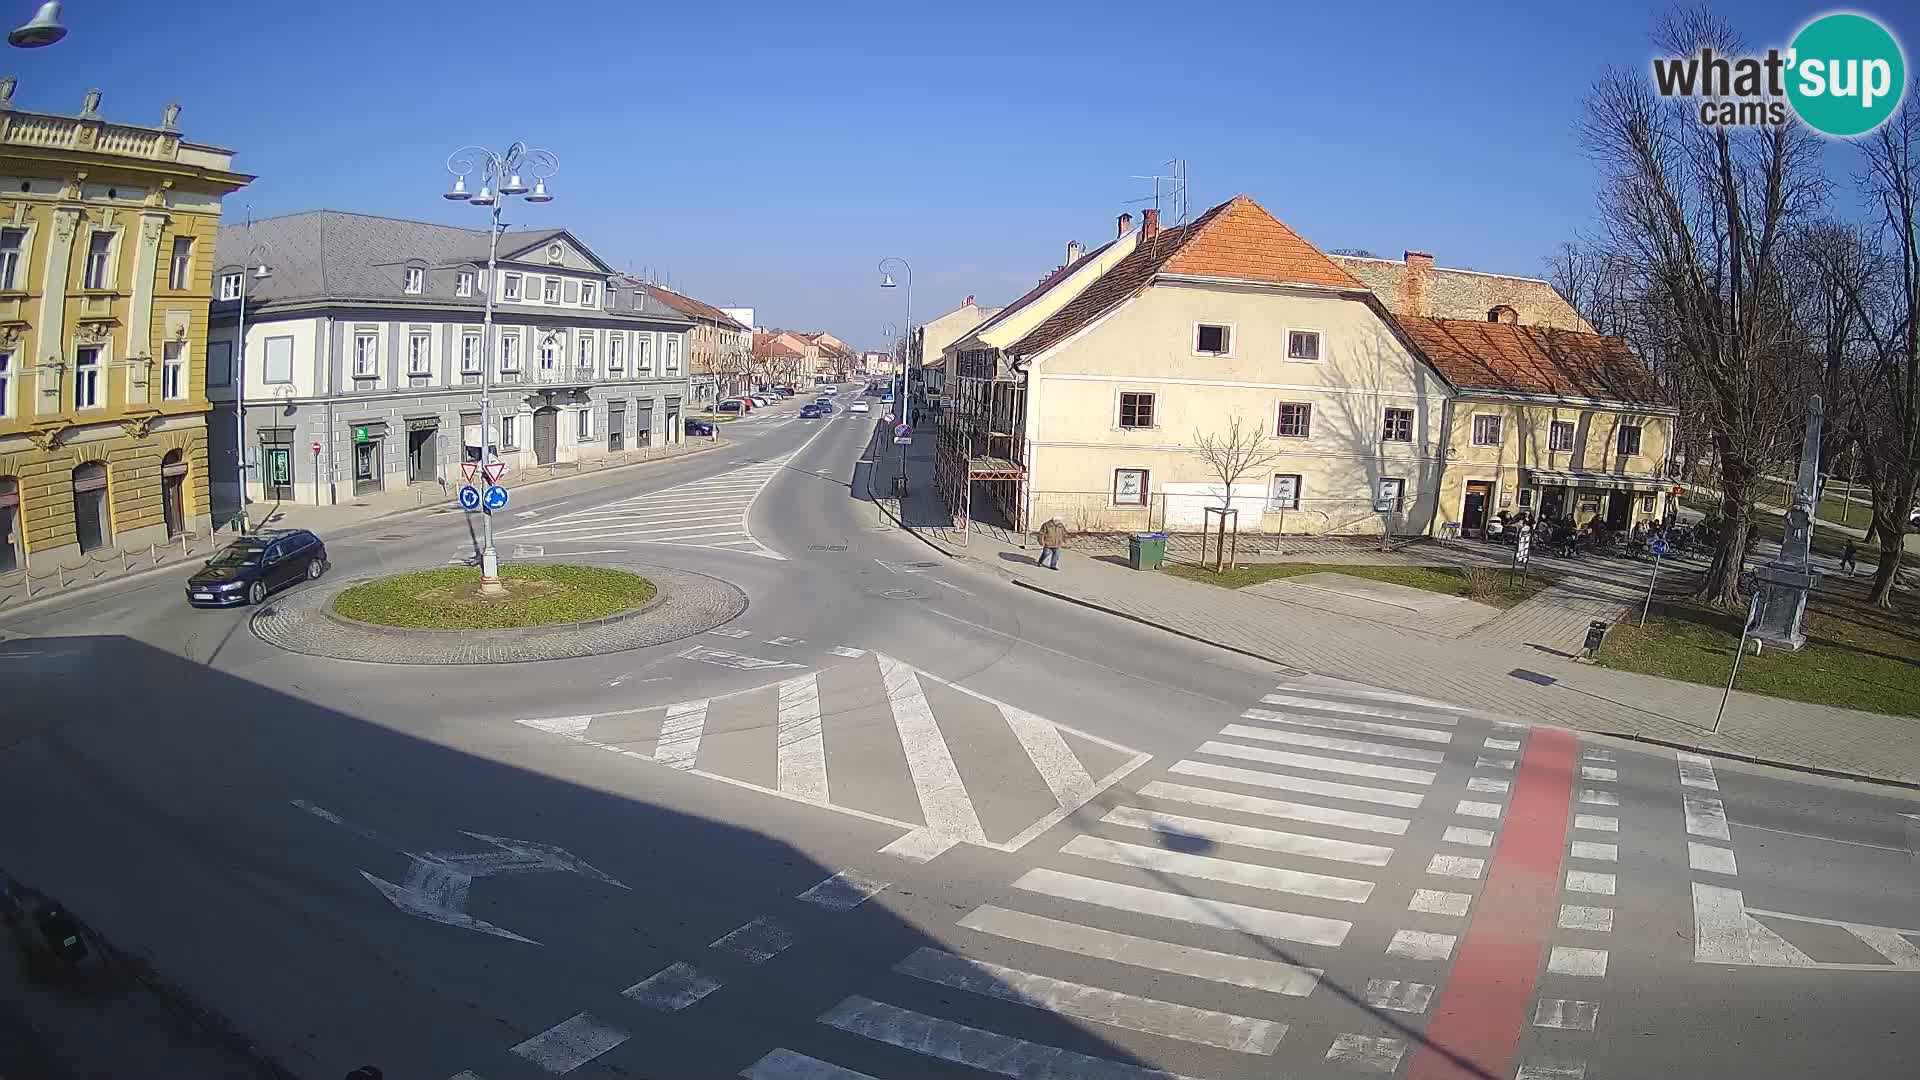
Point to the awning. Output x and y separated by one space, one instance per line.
1602 481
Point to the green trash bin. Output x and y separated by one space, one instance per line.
1146 551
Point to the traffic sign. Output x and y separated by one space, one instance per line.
1658 546
903 430
468 469
888 418
494 470
496 498
316 447
469 498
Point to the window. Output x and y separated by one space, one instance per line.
6 384
672 360
616 353
463 283
173 370
510 287
1303 345
470 354
550 291
220 363
1210 339
99 261
510 352
180 267
1394 490
279 362
1136 410
1629 440
366 355
12 241
419 354
507 424
1486 429
413 279
1296 420
1398 426
1129 487
643 354
1526 499
1646 503
585 424
86 377
550 352
229 286
1560 435
587 297
92 525
585 356
1283 492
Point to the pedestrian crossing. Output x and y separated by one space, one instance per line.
709 513
1213 916
875 738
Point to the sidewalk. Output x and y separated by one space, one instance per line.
1511 673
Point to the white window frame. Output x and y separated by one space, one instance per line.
101 261
643 354
1146 489
173 370
1233 338
550 290
1274 501
366 354
6 382
420 352
180 265
510 286
88 376
1399 488
1120 410
1620 437
510 352
230 286
616 352
463 283
507 424
584 353
472 345
413 280
1280 407
583 424
552 351
1499 429
589 296
1573 435
1386 428
670 363
266 360
1319 345
12 259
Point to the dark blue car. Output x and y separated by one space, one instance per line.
812 412
697 426
245 571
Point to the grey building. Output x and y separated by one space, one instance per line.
365 357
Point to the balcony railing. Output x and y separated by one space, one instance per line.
72 133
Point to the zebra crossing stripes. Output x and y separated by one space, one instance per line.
709 513
1231 968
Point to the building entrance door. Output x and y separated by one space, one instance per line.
1619 509
366 467
546 435
422 463
1473 510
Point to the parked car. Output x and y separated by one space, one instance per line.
859 406
762 400
731 405
785 391
811 412
697 426
245 571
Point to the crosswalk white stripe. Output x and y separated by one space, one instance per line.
936 780
1047 748
1375 711
679 742
802 750
1370 692
628 536
1228 968
1183 907
672 988
978 1048
1152 1016
1337 723
1706 817
676 525
698 512
1304 785
784 1064
571 1043
1251 875
1254 804
1327 742
1696 771
1317 764
1312 847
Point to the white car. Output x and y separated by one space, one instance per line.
858 406
830 391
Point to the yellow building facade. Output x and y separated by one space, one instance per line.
107 236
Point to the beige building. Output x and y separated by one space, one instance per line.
719 349
107 235
930 341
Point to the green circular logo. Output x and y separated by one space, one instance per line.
1847 74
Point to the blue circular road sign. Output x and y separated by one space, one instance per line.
469 497
496 498
1659 545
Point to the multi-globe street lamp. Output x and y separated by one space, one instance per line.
900 399
501 177
254 266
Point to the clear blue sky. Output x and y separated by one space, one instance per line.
769 154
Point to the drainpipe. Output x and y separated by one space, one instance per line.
326 372
1444 448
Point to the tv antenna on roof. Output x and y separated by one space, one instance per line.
1169 192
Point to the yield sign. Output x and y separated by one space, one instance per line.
467 469
494 470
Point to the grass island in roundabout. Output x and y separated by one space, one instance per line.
449 598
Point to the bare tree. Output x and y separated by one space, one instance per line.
1700 217
1239 450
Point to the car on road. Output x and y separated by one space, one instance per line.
830 390
697 426
784 391
811 412
860 407
731 405
247 570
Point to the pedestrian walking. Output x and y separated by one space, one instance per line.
1052 535
1848 556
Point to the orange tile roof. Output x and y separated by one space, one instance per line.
687 305
1516 359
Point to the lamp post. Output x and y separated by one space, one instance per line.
253 266
41 30
886 282
500 179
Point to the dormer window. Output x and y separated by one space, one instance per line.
588 298
413 279
463 283
1501 313
555 254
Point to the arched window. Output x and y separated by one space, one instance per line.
13 540
551 347
92 527
173 492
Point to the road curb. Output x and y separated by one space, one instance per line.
1671 744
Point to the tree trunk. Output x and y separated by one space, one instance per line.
1721 586
1892 547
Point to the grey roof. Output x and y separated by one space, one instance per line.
341 255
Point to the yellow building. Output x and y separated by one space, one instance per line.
106 258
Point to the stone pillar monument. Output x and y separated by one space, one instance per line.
1784 582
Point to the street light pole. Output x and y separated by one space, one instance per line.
501 173
886 282
256 257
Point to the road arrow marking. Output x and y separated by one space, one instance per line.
528 513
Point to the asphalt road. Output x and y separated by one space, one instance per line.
900 819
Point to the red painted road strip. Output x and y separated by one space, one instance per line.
1483 1006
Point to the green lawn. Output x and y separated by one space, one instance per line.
1441 579
1856 657
448 598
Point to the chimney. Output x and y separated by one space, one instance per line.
1149 224
1417 291
1073 252
1126 224
969 301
